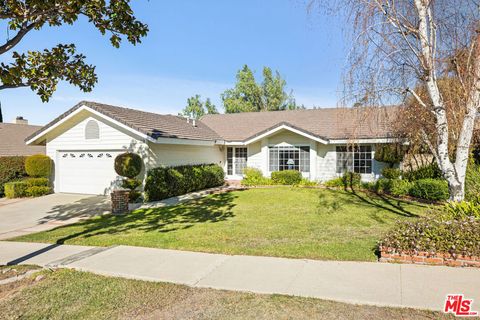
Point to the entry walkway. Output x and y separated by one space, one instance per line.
423 287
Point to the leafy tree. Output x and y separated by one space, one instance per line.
196 108
42 70
248 95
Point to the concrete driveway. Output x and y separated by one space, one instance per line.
23 216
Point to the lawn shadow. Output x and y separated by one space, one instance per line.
210 209
383 202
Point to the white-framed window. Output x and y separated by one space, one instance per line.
354 159
289 158
92 130
236 160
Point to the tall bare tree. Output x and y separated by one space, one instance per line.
403 45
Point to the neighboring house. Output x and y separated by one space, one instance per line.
12 139
84 141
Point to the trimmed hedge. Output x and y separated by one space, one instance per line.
11 169
31 187
166 182
38 165
430 189
128 165
286 177
16 189
399 187
38 191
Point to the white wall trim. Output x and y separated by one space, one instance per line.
367 141
101 115
285 127
184 141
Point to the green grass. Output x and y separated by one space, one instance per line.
67 294
282 221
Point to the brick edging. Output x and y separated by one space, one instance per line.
423 257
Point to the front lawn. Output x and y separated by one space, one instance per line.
67 294
281 221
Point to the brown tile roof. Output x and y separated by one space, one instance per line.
12 138
328 123
152 124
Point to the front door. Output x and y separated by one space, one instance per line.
236 160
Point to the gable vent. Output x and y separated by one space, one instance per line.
92 130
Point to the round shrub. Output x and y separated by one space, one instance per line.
430 189
254 177
128 165
286 177
38 166
400 187
391 173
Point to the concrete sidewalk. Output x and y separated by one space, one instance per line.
423 287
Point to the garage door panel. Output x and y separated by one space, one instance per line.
89 172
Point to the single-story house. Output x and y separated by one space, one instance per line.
320 143
12 139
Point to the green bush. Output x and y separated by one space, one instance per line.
430 189
431 234
334 183
11 169
307 183
254 177
460 210
132 185
128 165
426 172
38 166
399 187
391 173
38 191
286 177
16 189
383 185
37 182
166 182
351 179
472 182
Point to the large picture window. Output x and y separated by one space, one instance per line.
289 158
354 159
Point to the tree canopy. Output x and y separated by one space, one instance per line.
196 108
42 70
248 95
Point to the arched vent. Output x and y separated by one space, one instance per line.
92 131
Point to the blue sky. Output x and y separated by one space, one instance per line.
195 47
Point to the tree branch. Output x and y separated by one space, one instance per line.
18 37
13 86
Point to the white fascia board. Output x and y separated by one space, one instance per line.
234 143
101 115
285 127
372 140
184 141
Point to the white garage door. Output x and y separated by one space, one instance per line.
89 172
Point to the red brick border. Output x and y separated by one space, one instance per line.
422 257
